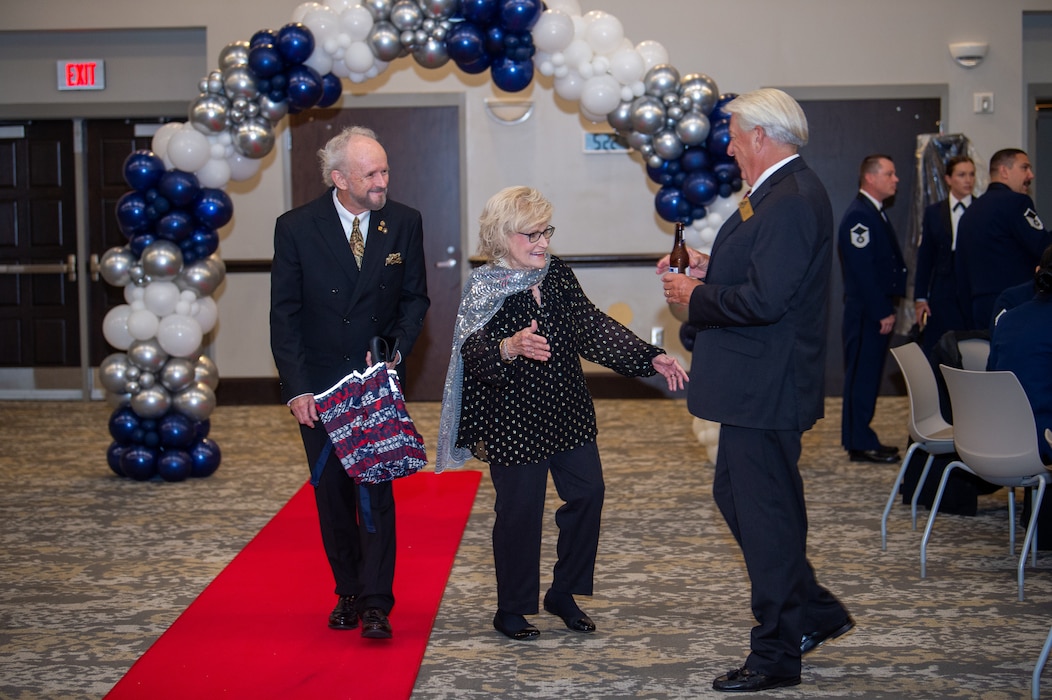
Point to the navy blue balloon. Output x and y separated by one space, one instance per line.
520 15
495 42
213 208
156 205
295 42
695 158
175 226
176 431
265 61
719 139
661 175
131 214
512 76
178 187
465 43
671 205
700 187
263 36
726 190
123 424
113 457
727 172
206 242
481 12
187 248
175 465
139 463
143 169
202 428
474 67
305 87
718 112
206 458
331 89
140 243
697 213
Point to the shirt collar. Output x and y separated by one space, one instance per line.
770 171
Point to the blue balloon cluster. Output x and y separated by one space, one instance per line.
172 447
170 205
276 58
700 175
495 34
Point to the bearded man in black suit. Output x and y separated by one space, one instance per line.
759 304
348 266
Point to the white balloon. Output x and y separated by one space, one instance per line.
134 293
115 327
601 95
189 149
179 336
725 206
323 23
570 7
578 54
159 144
605 32
592 116
357 22
242 168
142 324
553 31
692 236
161 297
569 86
206 313
301 10
359 57
653 53
215 173
627 66
320 60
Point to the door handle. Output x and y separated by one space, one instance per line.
452 262
68 268
93 267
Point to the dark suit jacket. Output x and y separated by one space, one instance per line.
935 278
759 354
324 311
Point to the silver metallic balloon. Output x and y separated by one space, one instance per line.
215 83
116 264
661 79
648 114
147 380
147 355
132 372
116 400
178 373
205 371
431 54
196 401
385 42
621 118
379 9
254 138
667 145
162 260
655 161
112 372
702 91
138 275
438 9
637 140
151 403
200 276
272 111
406 14
132 387
234 55
692 128
239 82
674 112
208 113
407 38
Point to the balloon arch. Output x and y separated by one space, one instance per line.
161 383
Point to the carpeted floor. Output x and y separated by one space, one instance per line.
94 568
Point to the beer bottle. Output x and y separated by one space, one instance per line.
678 260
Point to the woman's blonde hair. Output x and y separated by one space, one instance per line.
513 210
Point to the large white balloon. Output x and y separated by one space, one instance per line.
553 31
142 324
215 173
357 22
358 57
161 297
179 336
189 149
601 95
243 167
569 86
206 313
605 32
162 136
115 327
627 66
653 53
578 54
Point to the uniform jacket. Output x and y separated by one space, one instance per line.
874 271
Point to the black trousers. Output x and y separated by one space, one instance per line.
578 478
758 489
362 562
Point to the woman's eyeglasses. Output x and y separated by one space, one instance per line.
535 236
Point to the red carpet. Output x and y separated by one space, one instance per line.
258 631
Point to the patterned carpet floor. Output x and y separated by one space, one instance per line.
94 568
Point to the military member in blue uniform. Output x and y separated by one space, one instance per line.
938 308
1001 237
874 281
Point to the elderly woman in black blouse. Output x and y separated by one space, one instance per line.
515 397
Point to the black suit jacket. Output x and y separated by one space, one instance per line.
324 311
759 356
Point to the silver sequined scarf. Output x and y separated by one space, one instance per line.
484 293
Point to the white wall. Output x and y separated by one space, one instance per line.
605 203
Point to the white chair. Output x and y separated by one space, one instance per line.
929 431
974 353
995 439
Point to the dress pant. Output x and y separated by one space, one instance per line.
865 351
578 478
758 489
362 562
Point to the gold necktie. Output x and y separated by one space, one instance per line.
357 243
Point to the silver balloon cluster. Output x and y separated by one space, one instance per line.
422 27
153 383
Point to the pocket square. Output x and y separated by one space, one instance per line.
393 259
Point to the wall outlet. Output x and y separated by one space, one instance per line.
984 102
657 336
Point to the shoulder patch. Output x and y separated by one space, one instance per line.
1033 219
859 236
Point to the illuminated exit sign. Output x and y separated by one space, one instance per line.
86 74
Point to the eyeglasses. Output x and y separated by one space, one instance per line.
535 236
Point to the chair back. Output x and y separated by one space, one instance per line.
974 353
925 417
994 432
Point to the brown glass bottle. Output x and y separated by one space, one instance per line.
678 260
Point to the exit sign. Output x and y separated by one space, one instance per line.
85 74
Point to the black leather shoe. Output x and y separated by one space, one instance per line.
563 605
508 625
344 616
743 680
872 456
813 640
375 624
888 450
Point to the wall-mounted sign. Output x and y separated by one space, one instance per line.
85 74
602 143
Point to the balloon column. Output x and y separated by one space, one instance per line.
163 385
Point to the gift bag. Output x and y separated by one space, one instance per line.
370 428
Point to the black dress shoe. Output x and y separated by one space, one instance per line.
563 605
375 624
872 456
888 450
344 616
743 680
813 640
514 626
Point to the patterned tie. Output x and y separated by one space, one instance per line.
357 243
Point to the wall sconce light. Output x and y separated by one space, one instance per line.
969 54
508 111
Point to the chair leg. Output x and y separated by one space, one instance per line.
1011 519
1035 679
893 495
1031 530
934 511
920 484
